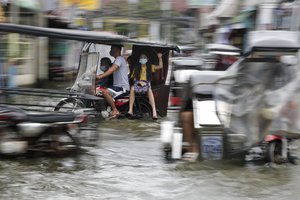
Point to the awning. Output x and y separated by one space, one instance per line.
242 21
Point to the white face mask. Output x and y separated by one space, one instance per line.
143 61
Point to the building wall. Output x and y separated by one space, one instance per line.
179 5
266 14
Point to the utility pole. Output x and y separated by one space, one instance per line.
166 8
2 46
131 12
42 48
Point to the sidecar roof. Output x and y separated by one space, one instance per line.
274 41
187 61
86 36
223 49
68 34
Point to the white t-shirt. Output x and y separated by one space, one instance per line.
121 74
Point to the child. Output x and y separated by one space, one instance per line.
105 64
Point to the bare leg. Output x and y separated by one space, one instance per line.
111 102
152 102
131 100
189 134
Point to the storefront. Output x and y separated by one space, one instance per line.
18 51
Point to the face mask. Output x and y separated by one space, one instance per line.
104 68
143 61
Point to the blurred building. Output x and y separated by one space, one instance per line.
39 59
22 52
229 21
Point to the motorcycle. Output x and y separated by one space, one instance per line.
141 108
27 133
274 149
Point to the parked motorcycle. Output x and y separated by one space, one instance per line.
25 133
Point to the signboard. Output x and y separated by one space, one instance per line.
31 4
198 3
212 147
2 14
83 5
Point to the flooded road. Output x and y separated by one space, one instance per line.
127 164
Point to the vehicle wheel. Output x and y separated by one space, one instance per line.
167 151
106 113
60 143
143 110
123 110
69 105
16 144
273 152
293 159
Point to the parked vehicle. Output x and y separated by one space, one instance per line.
249 111
82 93
27 134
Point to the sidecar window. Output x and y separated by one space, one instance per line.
85 80
269 72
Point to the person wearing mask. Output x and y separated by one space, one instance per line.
105 64
141 75
120 85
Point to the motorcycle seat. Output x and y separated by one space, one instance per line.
50 117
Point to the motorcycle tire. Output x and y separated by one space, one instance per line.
143 110
274 152
69 105
58 144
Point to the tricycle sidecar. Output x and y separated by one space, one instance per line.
95 46
215 142
252 101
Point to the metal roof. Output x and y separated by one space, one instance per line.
71 34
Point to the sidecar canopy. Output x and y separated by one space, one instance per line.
274 41
223 49
97 37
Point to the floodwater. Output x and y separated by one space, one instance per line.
127 164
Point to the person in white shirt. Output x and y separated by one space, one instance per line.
120 85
